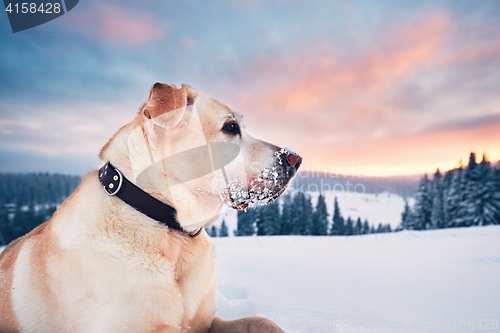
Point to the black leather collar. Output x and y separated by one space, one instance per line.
115 184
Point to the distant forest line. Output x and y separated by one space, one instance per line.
295 215
36 188
462 197
28 200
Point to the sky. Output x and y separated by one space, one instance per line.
400 87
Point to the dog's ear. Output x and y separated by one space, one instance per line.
166 104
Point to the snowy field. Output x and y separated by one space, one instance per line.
429 281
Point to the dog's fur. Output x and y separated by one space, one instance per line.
99 265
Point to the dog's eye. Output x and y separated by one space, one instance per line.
231 128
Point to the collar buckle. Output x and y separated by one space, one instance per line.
111 178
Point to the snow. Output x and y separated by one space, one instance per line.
425 281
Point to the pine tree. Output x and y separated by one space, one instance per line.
469 199
423 206
406 217
486 196
366 227
307 214
223 229
358 227
213 232
495 185
246 222
447 204
320 218
270 216
297 214
453 198
286 215
260 220
349 227
337 220
301 214
437 194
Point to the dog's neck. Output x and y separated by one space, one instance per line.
128 150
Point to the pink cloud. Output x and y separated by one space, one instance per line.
474 53
410 153
336 111
313 79
115 24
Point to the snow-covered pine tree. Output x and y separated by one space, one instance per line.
447 183
487 201
423 206
320 218
437 194
307 213
270 214
384 228
358 227
337 220
297 214
213 231
223 232
301 214
467 215
366 227
406 217
260 221
246 222
453 197
349 227
495 184
286 215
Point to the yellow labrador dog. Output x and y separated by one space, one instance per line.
127 252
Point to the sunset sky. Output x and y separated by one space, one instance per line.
401 87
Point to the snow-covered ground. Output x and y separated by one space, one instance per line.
428 281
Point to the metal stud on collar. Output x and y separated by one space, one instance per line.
111 185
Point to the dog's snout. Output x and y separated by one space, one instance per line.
294 160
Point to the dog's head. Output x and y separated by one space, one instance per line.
193 152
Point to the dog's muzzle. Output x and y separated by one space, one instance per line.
269 184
